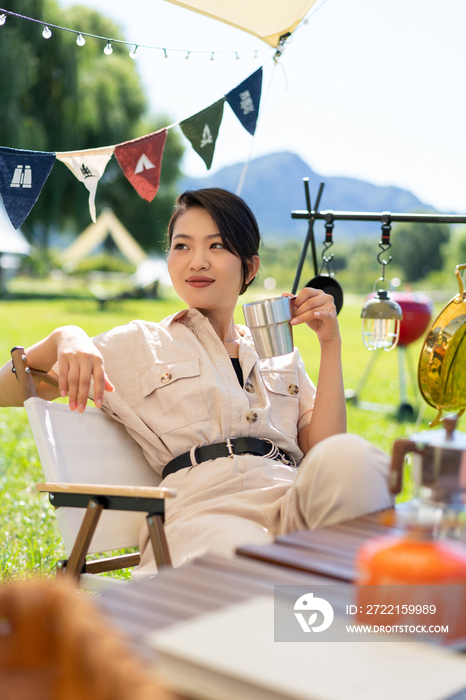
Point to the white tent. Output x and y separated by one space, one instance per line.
107 224
12 241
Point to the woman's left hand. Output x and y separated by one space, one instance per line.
317 310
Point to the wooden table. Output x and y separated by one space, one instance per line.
308 557
330 551
206 584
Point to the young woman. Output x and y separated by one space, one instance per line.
253 449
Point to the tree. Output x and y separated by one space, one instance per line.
418 248
57 96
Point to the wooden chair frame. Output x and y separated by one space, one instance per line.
96 498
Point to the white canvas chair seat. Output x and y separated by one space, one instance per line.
90 448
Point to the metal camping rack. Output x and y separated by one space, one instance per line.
385 219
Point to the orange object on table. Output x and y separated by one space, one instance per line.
408 560
415 582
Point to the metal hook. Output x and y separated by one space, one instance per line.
327 259
385 245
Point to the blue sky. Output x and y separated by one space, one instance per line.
372 89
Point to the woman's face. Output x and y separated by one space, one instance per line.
204 273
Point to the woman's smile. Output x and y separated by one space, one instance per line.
199 281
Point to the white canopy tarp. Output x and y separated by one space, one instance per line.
266 19
12 241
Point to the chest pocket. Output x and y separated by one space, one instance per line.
172 396
283 393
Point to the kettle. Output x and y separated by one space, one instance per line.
441 371
439 464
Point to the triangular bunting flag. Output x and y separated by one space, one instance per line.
245 100
22 176
141 162
202 130
88 166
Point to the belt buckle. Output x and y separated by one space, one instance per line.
229 445
276 454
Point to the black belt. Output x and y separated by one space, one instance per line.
236 446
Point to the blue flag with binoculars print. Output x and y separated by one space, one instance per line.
22 176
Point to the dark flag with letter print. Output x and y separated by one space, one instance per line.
245 100
141 162
22 176
202 130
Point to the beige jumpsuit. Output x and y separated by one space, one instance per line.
176 389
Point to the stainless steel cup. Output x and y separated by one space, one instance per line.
269 323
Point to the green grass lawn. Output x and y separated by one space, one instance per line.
30 539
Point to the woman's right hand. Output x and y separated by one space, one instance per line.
79 361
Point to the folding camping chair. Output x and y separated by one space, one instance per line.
83 456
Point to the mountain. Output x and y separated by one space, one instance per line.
273 188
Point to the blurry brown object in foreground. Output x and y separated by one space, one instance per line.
55 645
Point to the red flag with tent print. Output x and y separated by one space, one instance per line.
141 162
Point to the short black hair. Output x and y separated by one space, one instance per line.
236 223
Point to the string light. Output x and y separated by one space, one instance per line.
186 58
212 57
134 53
81 39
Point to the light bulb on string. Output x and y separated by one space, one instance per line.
2 19
186 58
381 314
134 53
165 55
108 49
256 56
46 32
237 56
212 58
80 40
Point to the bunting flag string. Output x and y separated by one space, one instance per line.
88 166
141 162
23 173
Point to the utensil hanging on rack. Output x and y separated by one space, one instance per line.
327 283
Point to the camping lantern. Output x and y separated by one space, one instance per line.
381 315
381 322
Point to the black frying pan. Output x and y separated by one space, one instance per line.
327 283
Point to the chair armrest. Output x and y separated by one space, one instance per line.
45 377
150 492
